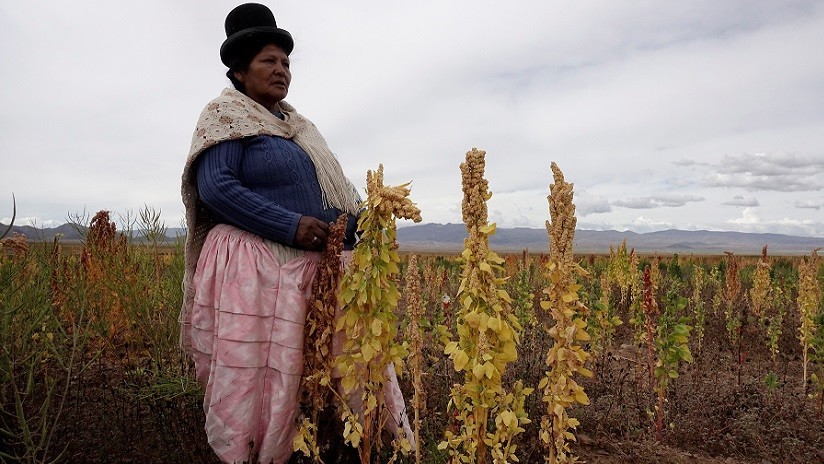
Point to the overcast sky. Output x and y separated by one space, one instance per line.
688 115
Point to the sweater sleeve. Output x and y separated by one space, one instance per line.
220 189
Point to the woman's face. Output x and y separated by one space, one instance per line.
267 78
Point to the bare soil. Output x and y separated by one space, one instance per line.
720 410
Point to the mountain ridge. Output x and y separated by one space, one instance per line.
448 238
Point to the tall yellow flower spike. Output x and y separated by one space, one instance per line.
487 337
566 357
369 298
809 300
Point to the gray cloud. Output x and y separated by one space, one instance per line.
809 204
586 204
768 172
684 162
656 201
636 203
602 206
739 200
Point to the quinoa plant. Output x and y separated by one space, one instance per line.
40 357
488 418
817 361
715 284
566 357
699 310
414 307
523 302
603 321
809 304
651 313
620 270
774 320
368 298
732 293
672 348
766 303
637 316
759 294
318 359
133 289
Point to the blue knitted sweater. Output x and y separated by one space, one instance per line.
264 185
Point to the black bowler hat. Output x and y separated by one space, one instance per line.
252 23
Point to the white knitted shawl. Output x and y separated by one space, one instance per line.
231 116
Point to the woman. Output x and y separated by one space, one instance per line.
260 186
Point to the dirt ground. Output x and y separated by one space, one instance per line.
720 411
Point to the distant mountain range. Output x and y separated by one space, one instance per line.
72 233
448 238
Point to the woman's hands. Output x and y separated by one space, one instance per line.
311 233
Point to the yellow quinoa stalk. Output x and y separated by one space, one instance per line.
414 307
809 302
566 357
368 297
619 269
760 292
487 417
636 307
763 298
319 332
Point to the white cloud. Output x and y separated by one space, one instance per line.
650 202
749 216
643 224
751 221
739 200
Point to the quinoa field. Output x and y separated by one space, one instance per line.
90 369
549 357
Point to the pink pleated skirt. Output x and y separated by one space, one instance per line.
246 331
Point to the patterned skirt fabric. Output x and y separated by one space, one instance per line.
246 335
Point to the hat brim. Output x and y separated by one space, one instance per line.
266 34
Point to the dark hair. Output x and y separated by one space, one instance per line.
243 57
